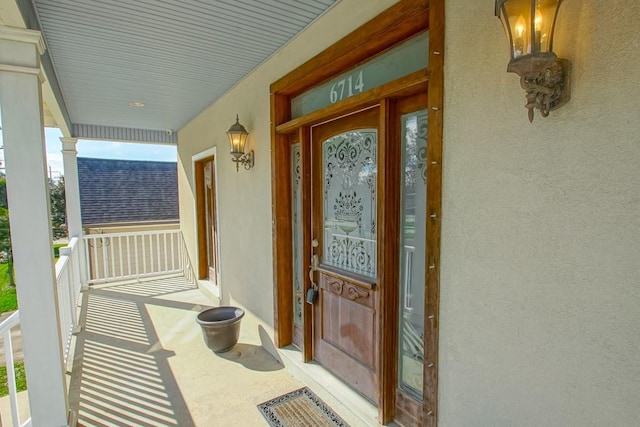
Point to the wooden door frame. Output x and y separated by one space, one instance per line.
203 261
401 21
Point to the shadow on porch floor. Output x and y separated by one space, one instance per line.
141 360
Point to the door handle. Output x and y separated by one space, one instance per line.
312 292
313 267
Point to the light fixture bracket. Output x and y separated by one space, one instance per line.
545 78
245 159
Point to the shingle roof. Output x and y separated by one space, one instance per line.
116 191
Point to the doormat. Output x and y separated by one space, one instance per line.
300 408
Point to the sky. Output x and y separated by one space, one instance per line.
100 150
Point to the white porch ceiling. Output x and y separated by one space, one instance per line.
175 56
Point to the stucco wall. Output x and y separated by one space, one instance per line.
244 198
540 293
540 298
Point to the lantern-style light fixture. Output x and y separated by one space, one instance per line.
530 25
237 139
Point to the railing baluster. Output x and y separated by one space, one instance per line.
181 257
70 269
157 253
172 242
105 258
135 240
66 328
144 255
159 249
165 252
11 378
120 256
96 265
173 254
112 261
153 255
77 279
87 250
129 256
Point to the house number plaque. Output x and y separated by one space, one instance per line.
406 58
346 88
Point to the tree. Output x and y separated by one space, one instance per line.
58 220
6 255
58 208
3 192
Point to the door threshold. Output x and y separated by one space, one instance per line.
207 287
330 389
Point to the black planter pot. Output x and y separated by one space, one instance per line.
220 327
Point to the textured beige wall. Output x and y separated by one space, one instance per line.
541 227
541 222
244 198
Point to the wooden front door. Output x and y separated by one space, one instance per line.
359 328
344 248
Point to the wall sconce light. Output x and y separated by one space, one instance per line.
529 25
237 138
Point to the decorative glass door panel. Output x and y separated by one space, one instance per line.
412 252
344 222
349 201
297 233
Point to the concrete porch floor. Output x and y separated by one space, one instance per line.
141 360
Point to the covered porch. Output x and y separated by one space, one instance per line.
527 289
83 329
140 359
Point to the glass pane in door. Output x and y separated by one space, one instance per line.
296 206
412 252
349 201
210 216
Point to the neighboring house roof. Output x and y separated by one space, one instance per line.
117 191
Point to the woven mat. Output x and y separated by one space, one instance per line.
300 408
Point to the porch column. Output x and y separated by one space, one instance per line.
28 194
72 198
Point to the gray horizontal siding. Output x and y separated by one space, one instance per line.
110 133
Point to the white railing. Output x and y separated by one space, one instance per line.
109 257
5 330
187 266
134 255
69 283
